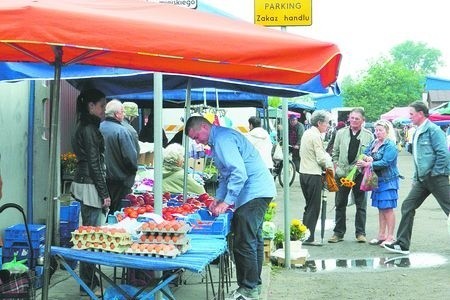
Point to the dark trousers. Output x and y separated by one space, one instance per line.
439 187
312 191
90 216
295 158
341 202
117 192
248 244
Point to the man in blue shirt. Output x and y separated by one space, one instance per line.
246 183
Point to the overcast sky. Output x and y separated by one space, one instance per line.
364 30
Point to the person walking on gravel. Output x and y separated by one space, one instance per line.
432 168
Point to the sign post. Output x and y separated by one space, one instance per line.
283 12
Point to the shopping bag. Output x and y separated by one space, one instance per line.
331 181
277 152
370 180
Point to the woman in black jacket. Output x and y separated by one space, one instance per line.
89 185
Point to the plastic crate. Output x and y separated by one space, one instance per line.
22 253
66 229
18 234
203 222
70 213
39 280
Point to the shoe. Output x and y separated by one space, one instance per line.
236 295
387 242
312 243
376 242
396 248
361 239
335 239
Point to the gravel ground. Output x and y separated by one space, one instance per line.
349 270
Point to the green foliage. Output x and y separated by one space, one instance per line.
274 101
278 239
391 81
416 56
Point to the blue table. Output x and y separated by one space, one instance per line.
204 250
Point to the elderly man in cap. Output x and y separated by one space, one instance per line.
130 110
296 130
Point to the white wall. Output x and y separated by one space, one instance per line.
14 102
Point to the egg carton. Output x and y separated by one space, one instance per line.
112 246
109 250
164 228
173 252
122 239
147 237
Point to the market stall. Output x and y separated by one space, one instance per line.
59 39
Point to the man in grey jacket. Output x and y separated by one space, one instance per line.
432 168
120 154
350 142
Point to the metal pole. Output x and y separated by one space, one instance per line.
53 170
157 150
286 179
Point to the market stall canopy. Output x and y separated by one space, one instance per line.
395 113
199 96
161 38
440 119
119 81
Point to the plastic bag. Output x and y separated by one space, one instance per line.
277 152
370 180
330 181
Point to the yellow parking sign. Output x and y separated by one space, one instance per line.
283 12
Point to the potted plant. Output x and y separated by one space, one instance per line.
268 230
278 239
68 164
298 233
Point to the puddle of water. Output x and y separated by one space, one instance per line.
414 260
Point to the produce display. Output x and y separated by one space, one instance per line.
101 238
173 205
166 237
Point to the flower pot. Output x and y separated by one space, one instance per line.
295 246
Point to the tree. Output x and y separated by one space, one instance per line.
417 57
393 81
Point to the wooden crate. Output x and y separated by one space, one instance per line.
268 245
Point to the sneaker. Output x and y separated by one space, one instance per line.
361 239
236 295
335 239
396 247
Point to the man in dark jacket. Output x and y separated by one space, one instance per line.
120 154
296 130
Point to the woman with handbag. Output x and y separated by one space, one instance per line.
381 157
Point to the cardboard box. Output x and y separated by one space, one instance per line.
297 258
146 159
197 164
268 245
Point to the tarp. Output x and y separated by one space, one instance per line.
395 113
208 96
117 81
161 38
